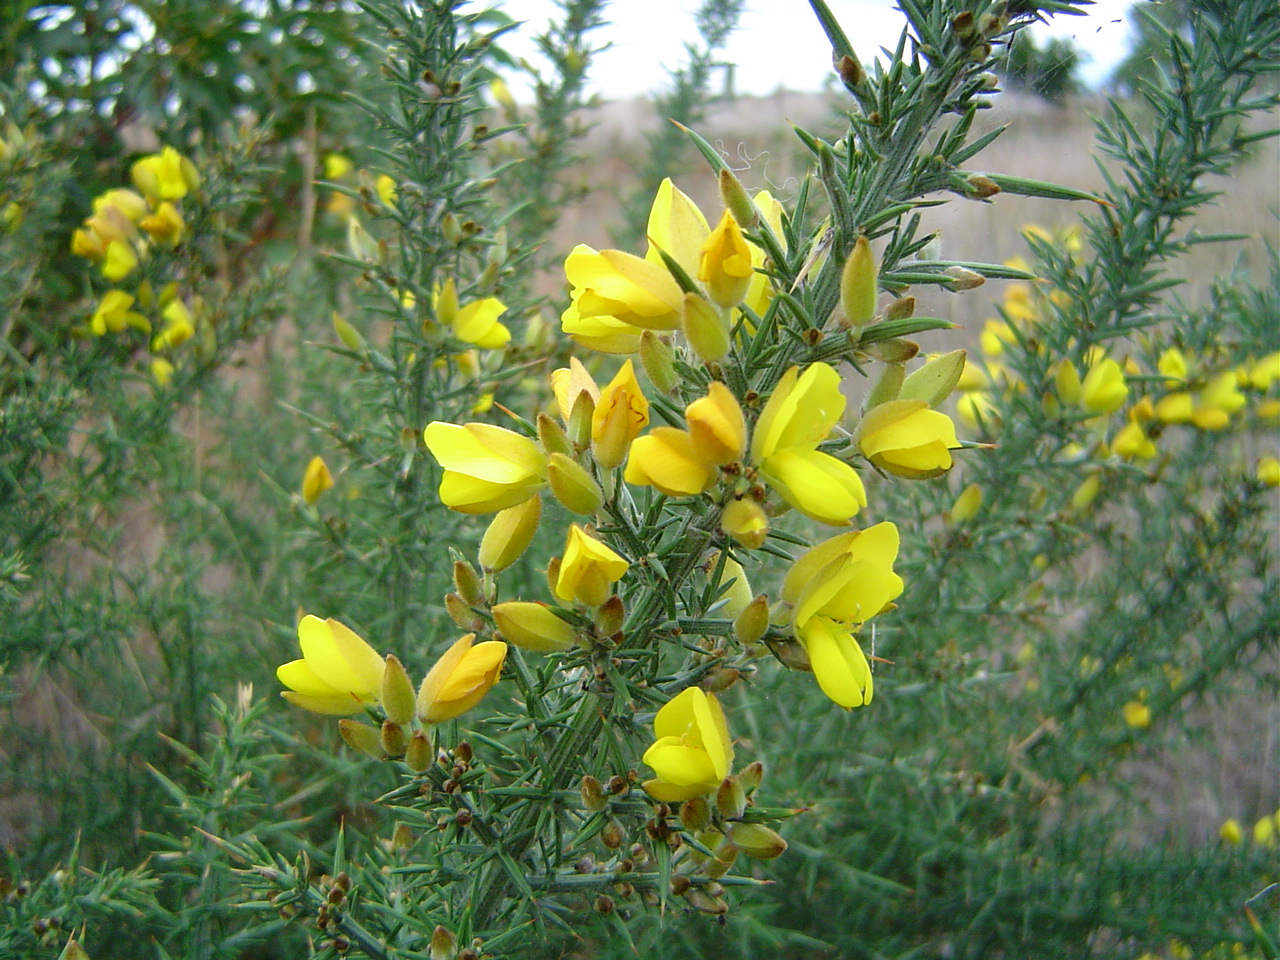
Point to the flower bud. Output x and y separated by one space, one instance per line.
398 697
467 582
1086 493
736 200
593 796
695 814
610 616
658 360
393 738
934 382
859 286
746 522
757 840
451 228
962 278
532 626
417 755
572 485
750 776
752 623
706 329
706 903
347 334
724 855
611 834
462 614
887 387
850 71
444 945
509 535
552 436
581 414
361 737
901 309
316 480
731 799
967 504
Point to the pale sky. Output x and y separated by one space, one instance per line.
779 42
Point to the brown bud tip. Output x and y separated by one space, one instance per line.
852 73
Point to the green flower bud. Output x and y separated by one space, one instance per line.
934 382
757 840
859 286
572 485
399 699
658 360
361 737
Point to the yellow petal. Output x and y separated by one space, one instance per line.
665 459
817 484
838 663
677 227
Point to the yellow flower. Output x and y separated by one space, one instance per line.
620 414
907 439
676 227
165 225
848 577
161 371
486 468
179 327
745 521
339 673
610 283
682 463
837 660
799 415
316 480
833 588
692 751
1103 389
1132 443
337 166
1209 408
475 323
460 678
1136 715
1230 832
725 264
665 459
1173 365
166 175
119 261
386 188
716 426
1264 832
587 569
113 314
1269 471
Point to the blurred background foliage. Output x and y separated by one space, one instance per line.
995 800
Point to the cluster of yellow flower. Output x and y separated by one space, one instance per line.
474 323
739 456
125 228
1206 392
1266 832
340 674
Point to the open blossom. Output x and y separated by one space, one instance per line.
460 679
621 412
800 414
486 468
692 751
833 588
682 463
587 569
908 439
616 296
339 673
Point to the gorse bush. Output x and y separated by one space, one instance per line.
721 605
